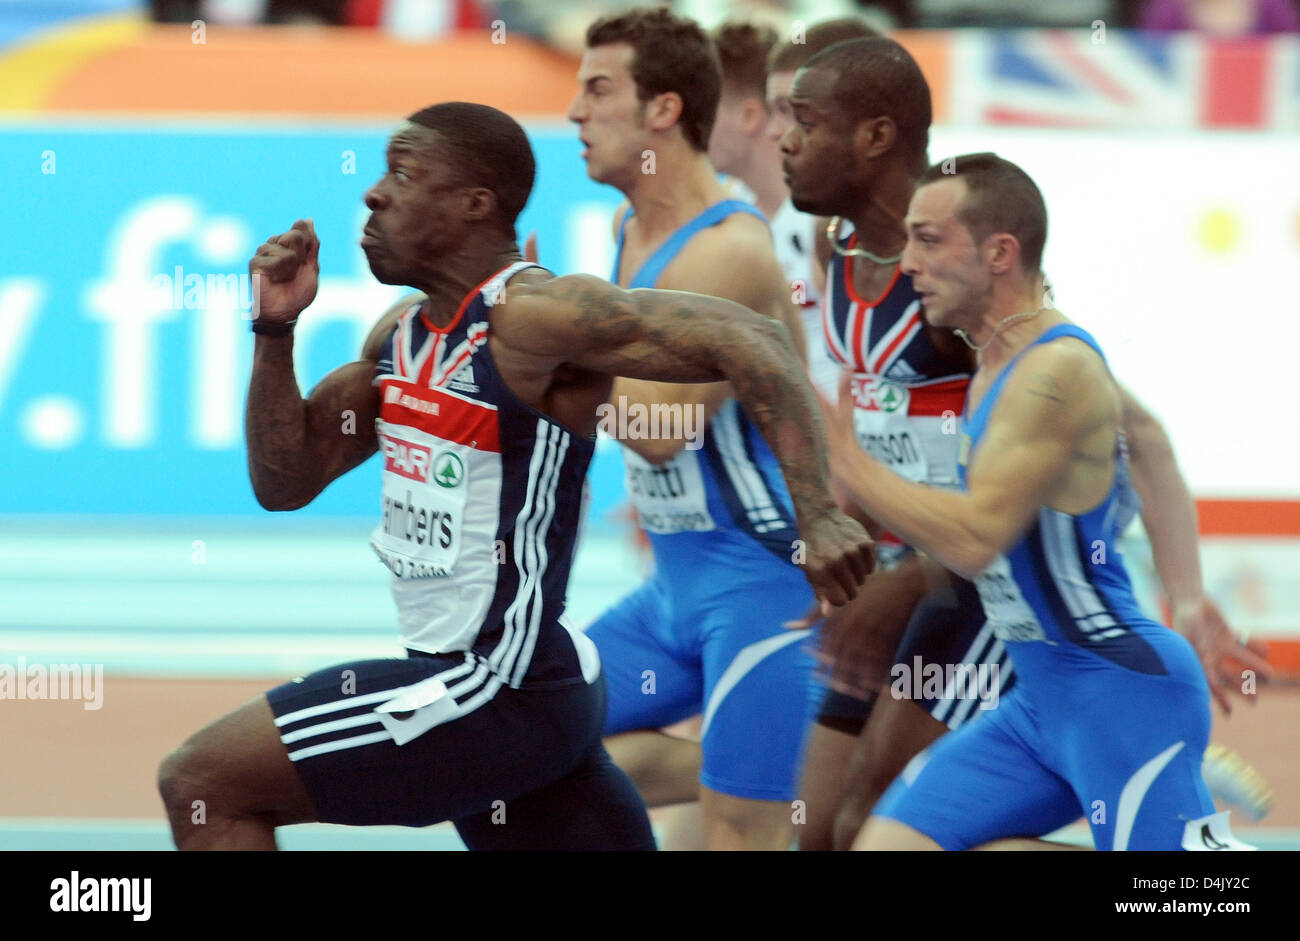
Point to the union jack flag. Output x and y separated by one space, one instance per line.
1087 78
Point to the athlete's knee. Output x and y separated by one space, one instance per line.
189 797
180 778
818 834
883 833
741 823
860 798
848 823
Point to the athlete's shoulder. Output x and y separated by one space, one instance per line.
740 244
544 311
1070 358
373 346
1066 374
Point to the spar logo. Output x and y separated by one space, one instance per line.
406 459
448 471
875 394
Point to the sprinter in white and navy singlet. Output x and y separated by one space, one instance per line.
479 513
481 503
484 397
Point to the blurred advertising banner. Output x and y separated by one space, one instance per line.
124 294
1091 77
125 299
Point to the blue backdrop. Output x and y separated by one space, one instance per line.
124 343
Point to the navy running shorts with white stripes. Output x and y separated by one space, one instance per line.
948 661
390 742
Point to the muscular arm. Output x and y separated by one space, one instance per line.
742 270
296 447
672 336
1044 412
1168 510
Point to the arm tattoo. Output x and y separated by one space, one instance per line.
676 336
1046 387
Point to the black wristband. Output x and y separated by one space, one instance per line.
269 328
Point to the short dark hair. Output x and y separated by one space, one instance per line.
791 56
488 147
670 54
742 53
877 77
1000 198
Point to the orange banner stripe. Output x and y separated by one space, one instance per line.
1249 517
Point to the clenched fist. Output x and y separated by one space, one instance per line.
838 557
285 273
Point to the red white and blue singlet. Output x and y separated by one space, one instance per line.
481 505
908 395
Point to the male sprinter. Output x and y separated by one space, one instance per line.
744 147
705 634
482 394
863 116
789 226
856 142
1045 492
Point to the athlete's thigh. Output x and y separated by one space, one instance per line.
241 766
427 739
760 693
1139 783
594 807
982 782
949 663
898 730
948 668
650 683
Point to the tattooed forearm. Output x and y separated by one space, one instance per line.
675 336
769 382
696 338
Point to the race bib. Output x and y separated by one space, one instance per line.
884 430
669 498
1009 616
423 504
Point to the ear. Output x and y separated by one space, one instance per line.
753 117
1002 252
874 136
663 110
479 203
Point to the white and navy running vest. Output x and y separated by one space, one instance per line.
481 501
908 395
733 481
1064 584
793 233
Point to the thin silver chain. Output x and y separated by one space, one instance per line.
833 234
998 329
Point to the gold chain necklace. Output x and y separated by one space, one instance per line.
833 236
998 329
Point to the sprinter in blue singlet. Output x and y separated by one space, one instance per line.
1111 714
704 636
